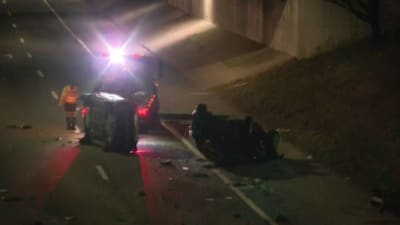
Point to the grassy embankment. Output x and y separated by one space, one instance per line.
342 107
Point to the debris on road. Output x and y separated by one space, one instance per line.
21 126
142 193
10 198
236 215
166 162
185 168
228 198
257 180
280 219
68 218
309 157
283 130
199 175
386 201
26 127
58 138
170 179
376 201
210 199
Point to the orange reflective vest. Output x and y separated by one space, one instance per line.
70 95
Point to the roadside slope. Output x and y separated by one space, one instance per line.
341 107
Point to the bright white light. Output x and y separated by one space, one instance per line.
176 33
117 56
110 97
208 10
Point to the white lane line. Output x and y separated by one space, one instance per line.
40 73
29 55
263 215
200 93
14 26
82 43
54 94
102 173
22 40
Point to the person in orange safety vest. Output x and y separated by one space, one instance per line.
68 100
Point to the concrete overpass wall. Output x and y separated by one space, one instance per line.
301 28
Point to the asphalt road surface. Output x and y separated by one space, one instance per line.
46 177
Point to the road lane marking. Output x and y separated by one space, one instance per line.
102 173
263 215
54 94
40 73
22 40
82 43
200 93
14 26
29 55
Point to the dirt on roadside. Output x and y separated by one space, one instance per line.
342 107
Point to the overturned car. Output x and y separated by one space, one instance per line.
221 138
111 120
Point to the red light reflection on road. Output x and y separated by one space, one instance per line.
45 177
154 200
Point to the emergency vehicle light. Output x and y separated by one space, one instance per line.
116 55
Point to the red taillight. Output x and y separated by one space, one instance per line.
142 111
85 111
136 56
